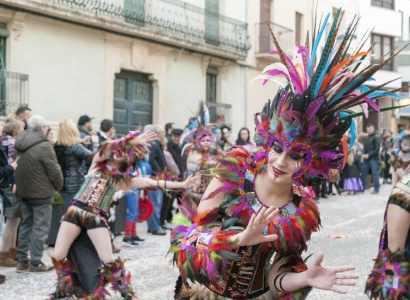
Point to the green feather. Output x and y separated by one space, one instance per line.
180 219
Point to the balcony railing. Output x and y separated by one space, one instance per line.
264 42
173 17
13 91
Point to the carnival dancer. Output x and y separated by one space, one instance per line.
390 276
246 238
84 233
200 151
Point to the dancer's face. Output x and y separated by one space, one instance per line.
206 142
283 162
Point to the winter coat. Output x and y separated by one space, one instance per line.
352 170
372 146
6 170
156 157
175 151
38 174
70 160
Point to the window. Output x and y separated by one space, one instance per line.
405 83
298 28
211 91
382 46
383 3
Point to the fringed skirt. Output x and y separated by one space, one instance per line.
353 184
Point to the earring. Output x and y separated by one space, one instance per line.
297 164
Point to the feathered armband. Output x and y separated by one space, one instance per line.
201 252
390 276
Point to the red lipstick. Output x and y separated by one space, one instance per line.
278 172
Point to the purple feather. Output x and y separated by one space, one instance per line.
282 102
331 125
293 73
313 108
328 155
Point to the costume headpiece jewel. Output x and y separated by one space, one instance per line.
312 109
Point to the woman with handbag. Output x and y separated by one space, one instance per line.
8 255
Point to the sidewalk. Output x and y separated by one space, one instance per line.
358 217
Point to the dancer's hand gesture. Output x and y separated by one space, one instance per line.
144 138
253 235
190 181
329 278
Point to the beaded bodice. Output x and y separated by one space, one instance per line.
97 192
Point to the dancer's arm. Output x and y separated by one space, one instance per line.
109 146
148 183
284 279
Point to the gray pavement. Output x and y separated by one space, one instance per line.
358 218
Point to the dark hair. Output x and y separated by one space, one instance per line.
249 134
106 125
369 125
22 109
168 126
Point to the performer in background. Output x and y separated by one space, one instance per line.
200 151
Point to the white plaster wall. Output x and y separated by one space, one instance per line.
186 87
404 71
65 64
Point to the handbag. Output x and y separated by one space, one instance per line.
11 203
9 199
390 276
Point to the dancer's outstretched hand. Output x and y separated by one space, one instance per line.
253 235
144 138
329 278
190 181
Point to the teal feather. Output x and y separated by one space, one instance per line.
325 54
316 44
327 67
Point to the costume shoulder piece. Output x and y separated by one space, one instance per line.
232 170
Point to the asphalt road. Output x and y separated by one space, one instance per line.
356 219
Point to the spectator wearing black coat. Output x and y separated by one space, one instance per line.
70 155
370 157
175 149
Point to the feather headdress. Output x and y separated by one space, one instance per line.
312 109
200 128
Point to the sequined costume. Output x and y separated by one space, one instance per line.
390 277
241 272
